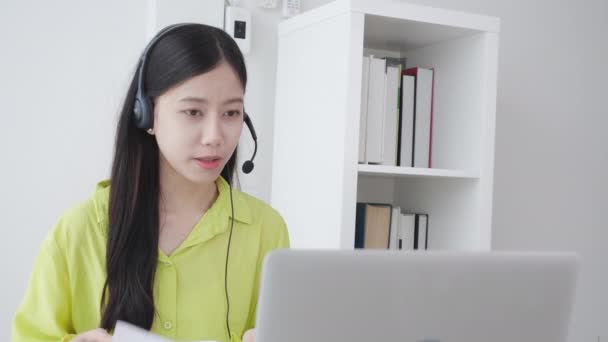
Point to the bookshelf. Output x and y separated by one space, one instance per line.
399 171
317 180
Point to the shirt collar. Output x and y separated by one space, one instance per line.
221 206
242 212
216 220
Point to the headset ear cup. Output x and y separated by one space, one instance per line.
142 113
137 113
147 114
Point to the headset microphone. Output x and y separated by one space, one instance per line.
248 165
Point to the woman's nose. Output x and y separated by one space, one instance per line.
211 134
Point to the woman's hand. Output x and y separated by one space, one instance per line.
249 336
97 335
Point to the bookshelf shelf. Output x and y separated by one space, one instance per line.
317 179
400 171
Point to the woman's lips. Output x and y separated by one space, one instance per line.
209 163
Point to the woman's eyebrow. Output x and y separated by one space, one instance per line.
204 100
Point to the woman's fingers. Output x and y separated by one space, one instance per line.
96 335
249 336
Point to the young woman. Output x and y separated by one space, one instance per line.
166 244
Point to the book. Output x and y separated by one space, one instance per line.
363 118
373 225
395 226
421 232
406 124
407 229
360 225
391 117
375 110
423 115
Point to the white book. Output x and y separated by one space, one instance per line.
363 114
375 110
422 130
407 120
395 226
423 115
406 233
391 117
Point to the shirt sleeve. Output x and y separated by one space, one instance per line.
45 311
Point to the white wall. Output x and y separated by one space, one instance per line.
550 187
64 67
259 98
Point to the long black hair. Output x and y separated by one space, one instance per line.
133 231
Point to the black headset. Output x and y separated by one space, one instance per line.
143 113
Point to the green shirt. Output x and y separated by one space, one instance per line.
65 287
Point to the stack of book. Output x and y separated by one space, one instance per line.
384 226
396 113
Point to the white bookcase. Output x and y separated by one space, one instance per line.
316 178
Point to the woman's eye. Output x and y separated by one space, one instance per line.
192 112
233 113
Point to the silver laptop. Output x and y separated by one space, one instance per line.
369 296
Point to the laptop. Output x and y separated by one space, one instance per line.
418 296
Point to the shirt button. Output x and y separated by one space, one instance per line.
168 325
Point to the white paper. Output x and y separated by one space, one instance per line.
125 332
